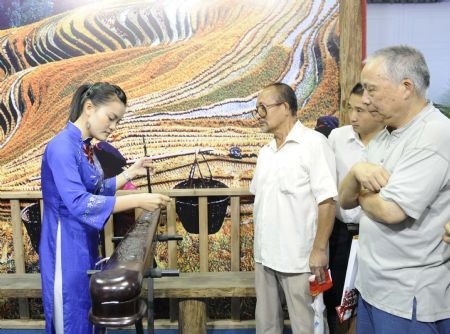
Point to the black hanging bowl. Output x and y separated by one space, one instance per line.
187 207
31 217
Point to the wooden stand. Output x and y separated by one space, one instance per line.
192 316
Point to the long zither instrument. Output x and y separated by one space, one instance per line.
115 291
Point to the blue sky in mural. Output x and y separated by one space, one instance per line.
15 13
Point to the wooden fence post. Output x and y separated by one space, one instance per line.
19 258
235 205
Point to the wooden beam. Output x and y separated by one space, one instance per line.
20 195
171 192
187 285
350 51
206 285
20 286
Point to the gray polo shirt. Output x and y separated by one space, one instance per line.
406 260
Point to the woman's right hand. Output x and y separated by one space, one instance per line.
152 202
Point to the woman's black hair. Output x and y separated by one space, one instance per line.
98 93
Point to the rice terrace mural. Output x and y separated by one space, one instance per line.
191 70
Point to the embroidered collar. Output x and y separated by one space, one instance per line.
75 133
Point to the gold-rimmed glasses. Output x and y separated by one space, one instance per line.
261 109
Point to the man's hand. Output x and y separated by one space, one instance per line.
371 176
446 235
318 263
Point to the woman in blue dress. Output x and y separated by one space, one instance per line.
77 203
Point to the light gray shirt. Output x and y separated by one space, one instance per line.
400 262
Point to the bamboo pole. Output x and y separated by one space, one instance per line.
203 232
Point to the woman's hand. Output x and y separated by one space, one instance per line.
139 168
152 202
146 201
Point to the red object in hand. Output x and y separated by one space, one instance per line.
129 186
315 288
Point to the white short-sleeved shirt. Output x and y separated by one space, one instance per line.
288 184
348 150
400 262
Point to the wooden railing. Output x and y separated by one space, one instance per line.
202 194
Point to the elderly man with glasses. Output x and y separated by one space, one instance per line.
294 185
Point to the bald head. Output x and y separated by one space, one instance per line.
285 93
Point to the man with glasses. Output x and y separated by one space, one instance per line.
294 185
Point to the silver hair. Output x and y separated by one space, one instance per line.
404 62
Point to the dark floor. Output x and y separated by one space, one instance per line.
128 331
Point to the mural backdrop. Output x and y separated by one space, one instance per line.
191 69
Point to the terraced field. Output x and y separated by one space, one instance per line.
191 69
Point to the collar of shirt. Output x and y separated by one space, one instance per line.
354 136
75 133
295 135
423 113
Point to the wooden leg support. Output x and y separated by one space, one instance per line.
192 316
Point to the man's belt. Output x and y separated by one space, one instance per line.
352 227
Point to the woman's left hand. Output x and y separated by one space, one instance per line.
139 168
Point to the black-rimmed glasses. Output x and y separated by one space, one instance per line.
261 109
